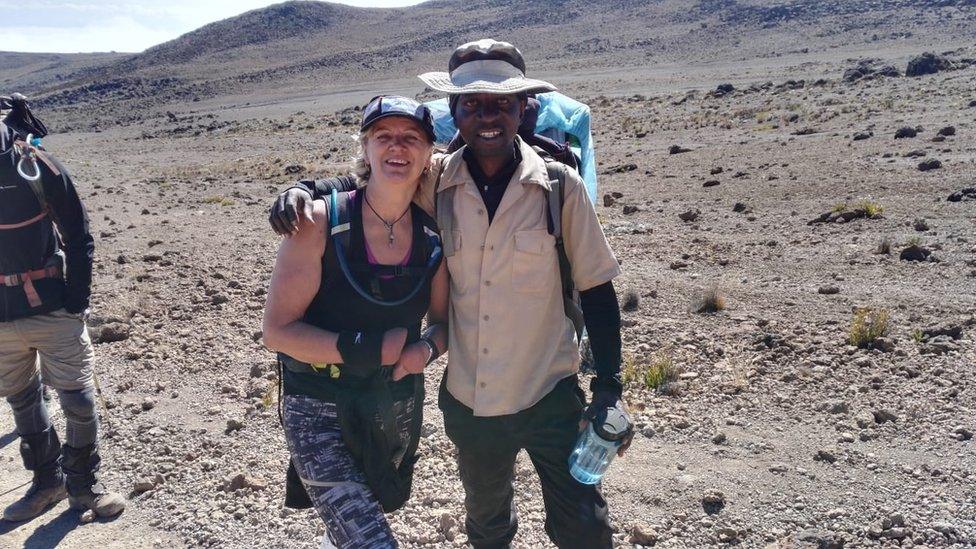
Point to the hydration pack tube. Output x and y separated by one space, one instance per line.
337 228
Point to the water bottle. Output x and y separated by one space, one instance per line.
597 445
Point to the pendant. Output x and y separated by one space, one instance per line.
391 239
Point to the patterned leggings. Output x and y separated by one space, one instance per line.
336 485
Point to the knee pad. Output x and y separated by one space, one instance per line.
78 405
25 399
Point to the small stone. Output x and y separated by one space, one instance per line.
882 415
828 289
644 535
148 403
827 456
234 425
905 133
710 183
713 501
947 131
930 164
630 209
719 438
689 215
677 149
962 434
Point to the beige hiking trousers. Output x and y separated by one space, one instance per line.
58 342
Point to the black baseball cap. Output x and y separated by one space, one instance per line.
383 106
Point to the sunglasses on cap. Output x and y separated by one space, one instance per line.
383 106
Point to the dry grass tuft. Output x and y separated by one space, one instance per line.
657 373
711 300
867 326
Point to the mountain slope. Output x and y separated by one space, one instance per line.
310 45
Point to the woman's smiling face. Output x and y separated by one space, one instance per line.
397 149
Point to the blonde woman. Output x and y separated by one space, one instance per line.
347 297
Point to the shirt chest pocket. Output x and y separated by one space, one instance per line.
534 262
455 265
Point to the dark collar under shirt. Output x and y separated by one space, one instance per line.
492 189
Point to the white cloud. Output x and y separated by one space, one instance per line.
87 26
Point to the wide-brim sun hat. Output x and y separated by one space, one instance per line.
385 106
485 66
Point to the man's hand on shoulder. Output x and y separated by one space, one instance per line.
284 214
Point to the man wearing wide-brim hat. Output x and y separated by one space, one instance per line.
511 381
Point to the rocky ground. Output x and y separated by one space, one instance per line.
775 431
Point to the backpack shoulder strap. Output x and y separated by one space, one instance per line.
340 217
555 198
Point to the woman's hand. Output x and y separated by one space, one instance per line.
393 341
413 359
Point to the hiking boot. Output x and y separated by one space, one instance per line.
41 453
80 467
103 503
35 502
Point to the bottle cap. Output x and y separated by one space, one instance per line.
612 424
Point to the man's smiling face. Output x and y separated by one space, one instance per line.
488 122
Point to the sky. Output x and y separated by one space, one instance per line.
115 25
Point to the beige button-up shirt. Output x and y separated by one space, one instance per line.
510 339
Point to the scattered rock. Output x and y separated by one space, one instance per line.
827 456
677 149
822 539
739 207
861 136
928 63
915 253
644 535
713 502
723 89
905 133
883 415
631 301
293 169
624 168
148 403
710 183
969 193
947 131
608 200
828 290
689 215
920 225
928 165
953 331
719 438
239 481
630 209
962 434
234 425
110 332
716 170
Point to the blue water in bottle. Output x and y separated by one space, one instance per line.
597 445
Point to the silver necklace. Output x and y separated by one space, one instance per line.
389 226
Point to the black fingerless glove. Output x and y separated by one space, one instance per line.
362 352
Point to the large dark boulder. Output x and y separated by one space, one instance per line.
928 63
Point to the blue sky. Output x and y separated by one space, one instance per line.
117 25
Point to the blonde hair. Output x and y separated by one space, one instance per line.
360 166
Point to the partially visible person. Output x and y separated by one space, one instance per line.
46 252
347 298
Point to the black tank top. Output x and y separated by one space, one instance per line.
337 306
